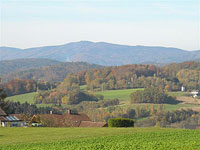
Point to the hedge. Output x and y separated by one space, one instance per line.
120 122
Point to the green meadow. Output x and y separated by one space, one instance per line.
98 139
123 95
22 98
177 94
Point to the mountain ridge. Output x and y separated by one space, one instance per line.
102 53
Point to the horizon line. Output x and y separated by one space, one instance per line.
97 42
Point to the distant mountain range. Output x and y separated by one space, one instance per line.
103 53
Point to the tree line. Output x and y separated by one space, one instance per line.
19 86
151 95
168 78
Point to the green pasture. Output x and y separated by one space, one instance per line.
123 95
98 139
28 97
120 94
22 98
178 94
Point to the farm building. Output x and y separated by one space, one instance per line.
196 94
66 120
10 120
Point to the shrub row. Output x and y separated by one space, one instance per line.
120 122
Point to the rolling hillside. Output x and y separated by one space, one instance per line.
10 66
102 53
55 72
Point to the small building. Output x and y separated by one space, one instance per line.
196 94
10 120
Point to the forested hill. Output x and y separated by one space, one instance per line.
9 66
53 73
170 77
103 53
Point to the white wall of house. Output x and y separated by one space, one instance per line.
12 124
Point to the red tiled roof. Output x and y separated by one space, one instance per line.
2 113
2 118
67 120
92 124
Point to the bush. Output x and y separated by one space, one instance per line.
120 122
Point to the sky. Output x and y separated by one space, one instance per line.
34 23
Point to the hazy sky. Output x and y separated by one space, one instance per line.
31 23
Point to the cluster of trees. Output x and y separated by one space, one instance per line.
86 105
2 97
104 110
65 95
18 86
154 115
67 92
164 119
187 73
169 78
69 97
189 78
151 95
25 108
190 123
123 77
28 109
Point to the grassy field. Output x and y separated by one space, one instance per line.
120 94
123 95
29 97
98 138
111 94
178 94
